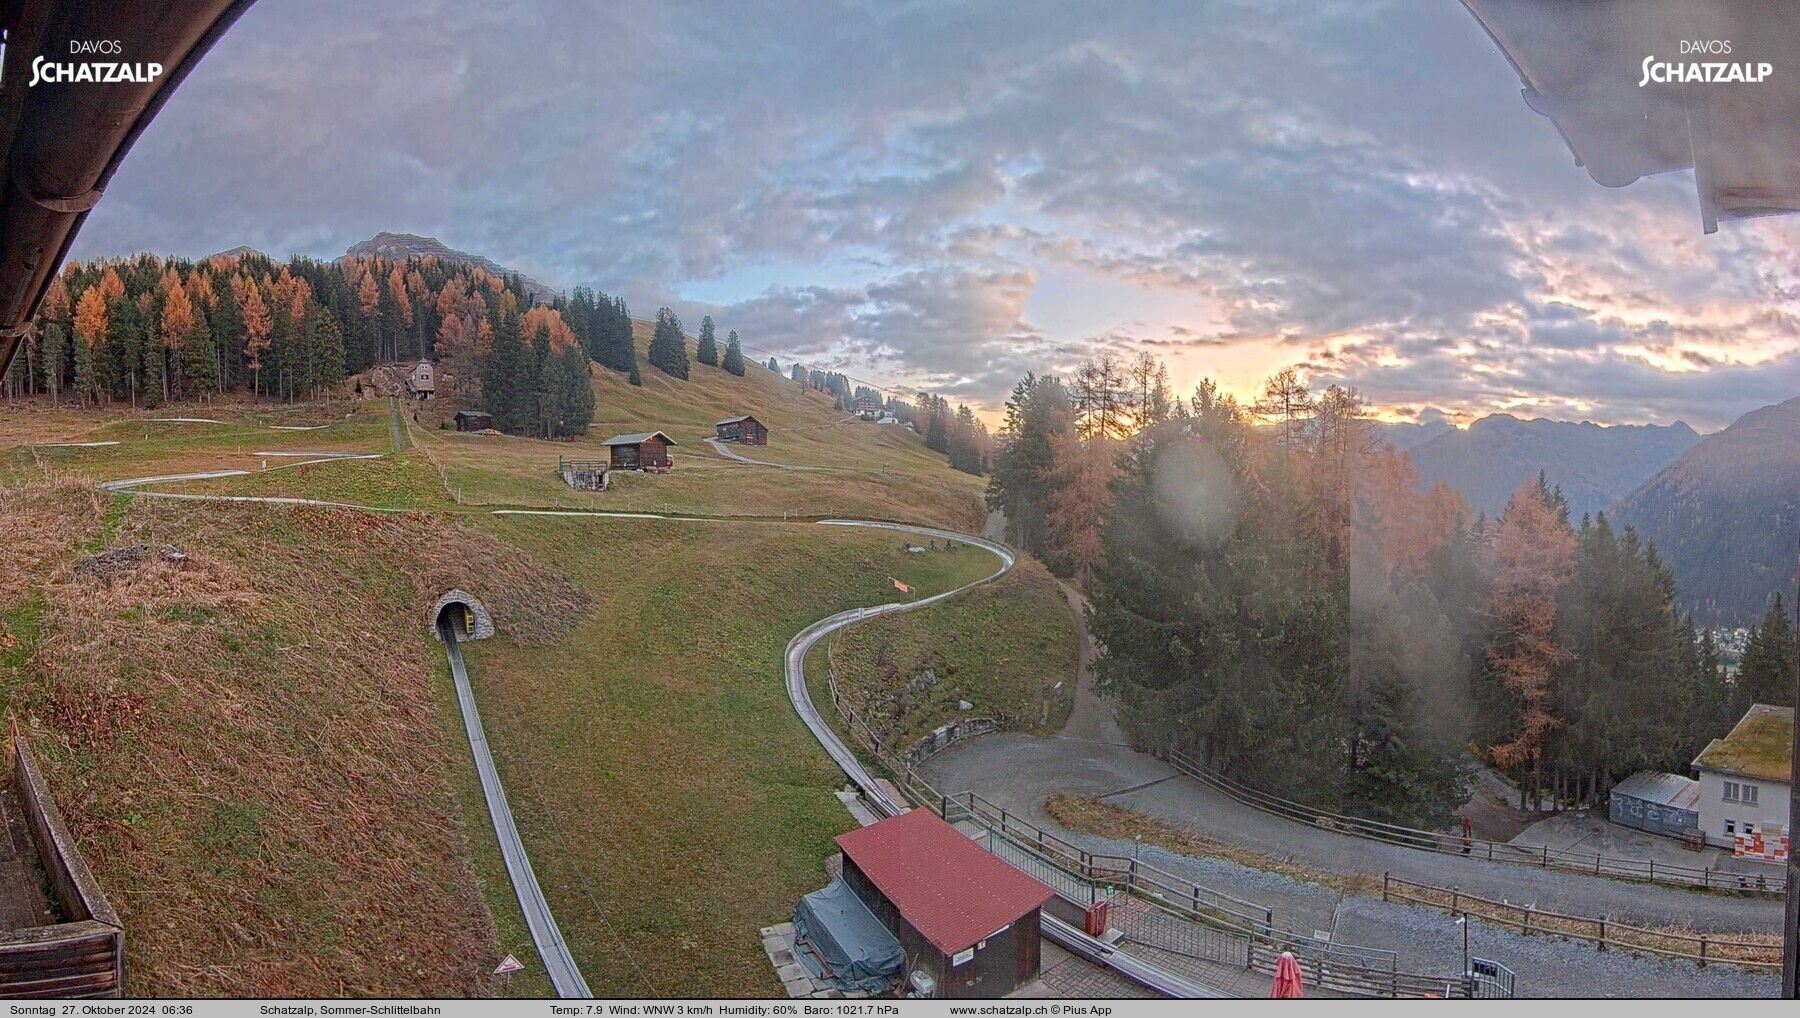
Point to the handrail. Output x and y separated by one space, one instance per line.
1445 843
1602 933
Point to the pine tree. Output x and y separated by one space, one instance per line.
708 349
501 393
734 354
1766 673
774 367
668 347
54 349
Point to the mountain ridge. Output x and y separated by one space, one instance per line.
1595 465
401 246
1725 516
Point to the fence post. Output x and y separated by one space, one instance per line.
1702 950
1546 855
1527 929
1384 886
1706 877
1653 870
1268 922
1602 943
944 807
1196 897
1455 899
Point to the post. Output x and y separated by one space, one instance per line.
1790 926
1602 941
1546 855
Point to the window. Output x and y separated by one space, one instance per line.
1731 792
1748 791
1740 792
1730 826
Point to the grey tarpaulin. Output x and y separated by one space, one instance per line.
860 952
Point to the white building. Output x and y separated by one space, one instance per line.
1744 783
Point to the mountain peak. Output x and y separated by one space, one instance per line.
402 246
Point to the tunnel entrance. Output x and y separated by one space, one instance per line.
460 614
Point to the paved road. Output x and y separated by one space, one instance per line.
732 454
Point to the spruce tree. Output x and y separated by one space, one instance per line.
734 354
668 347
54 349
501 373
1766 673
708 349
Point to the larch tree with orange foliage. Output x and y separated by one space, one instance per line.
258 326
1081 476
1532 560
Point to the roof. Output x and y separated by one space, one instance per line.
1662 789
638 439
735 420
473 413
950 889
1761 745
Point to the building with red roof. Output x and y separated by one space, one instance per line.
965 918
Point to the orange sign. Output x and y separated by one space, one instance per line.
901 587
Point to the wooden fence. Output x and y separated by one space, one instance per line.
83 956
1773 883
1603 934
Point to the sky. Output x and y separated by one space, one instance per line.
948 196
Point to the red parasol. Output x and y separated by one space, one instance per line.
1287 978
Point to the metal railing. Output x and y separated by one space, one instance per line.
1455 844
1181 913
1602 933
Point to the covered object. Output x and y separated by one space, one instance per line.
832 926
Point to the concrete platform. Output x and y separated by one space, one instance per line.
1586 832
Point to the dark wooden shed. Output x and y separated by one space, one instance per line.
964 917
647 451
473 420
745 430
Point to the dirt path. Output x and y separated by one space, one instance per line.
1092 718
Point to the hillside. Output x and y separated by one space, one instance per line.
401 246
1595 466
855 468
1726 515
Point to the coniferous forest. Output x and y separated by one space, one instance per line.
1278 598
150 330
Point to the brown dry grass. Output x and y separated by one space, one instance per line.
249 747
41 523
1087 815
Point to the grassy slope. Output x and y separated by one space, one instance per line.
267 781
1004 647
673 802
684 805
874 471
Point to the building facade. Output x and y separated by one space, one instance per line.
1744 783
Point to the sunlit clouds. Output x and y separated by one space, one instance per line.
948 197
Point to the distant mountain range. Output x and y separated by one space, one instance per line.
401 246
1595 466
1726 515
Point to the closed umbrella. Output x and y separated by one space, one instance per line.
1287 978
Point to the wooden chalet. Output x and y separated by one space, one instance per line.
647 451
967 920
421 381
473 420
745 430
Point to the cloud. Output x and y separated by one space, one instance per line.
950 196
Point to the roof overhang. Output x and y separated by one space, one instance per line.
62 141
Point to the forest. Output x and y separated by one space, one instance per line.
1278 597
150 330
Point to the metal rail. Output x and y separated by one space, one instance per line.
565 976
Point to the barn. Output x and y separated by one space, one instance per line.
966 920
745 430
646 451
473 420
